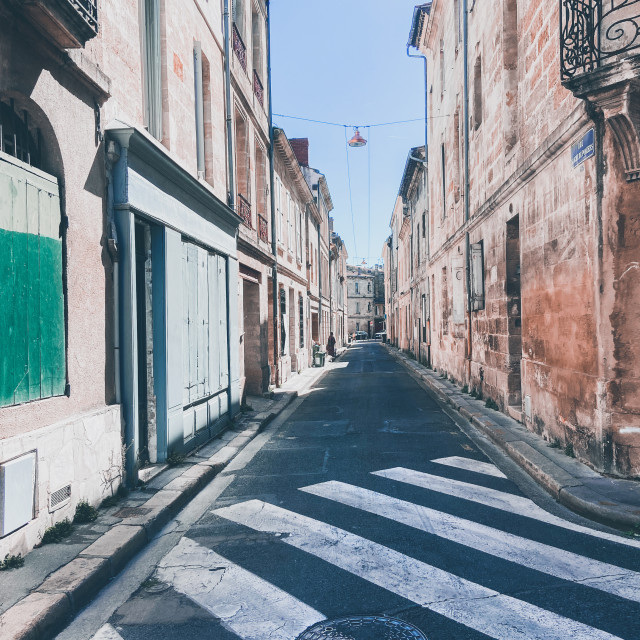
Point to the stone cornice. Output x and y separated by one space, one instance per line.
283 146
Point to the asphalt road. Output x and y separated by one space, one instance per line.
366 498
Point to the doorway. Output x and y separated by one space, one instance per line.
147 440
514 313
252 346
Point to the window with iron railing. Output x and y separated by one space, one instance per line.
597 32
244 210
239 48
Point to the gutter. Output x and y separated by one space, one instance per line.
272 181
231 198
467 195
111 157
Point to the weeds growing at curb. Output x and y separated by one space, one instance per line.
11 562
58 532
175 459
492 404
84 513
568 450
555 444
633 532
112 501
465 389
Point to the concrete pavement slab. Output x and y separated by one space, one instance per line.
81 579
118 545
39 615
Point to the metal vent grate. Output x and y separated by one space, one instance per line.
59 497
363 628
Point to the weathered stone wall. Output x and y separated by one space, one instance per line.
556 342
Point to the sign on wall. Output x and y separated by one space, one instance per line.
583 149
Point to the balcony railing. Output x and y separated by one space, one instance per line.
258 89
594 33
239 48
263 229
69 23
244 210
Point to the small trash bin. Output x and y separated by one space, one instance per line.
318 356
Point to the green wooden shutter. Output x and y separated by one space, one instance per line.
32 332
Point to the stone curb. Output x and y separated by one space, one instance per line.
568 489
49 607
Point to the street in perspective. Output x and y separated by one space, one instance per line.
319 321
367 499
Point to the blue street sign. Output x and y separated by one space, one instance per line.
583 149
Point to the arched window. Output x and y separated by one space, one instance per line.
16 137
32 340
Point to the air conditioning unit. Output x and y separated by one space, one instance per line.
17 492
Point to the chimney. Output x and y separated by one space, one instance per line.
300 147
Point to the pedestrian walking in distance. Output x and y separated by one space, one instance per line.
331 345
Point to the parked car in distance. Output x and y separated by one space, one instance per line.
381 335
361 335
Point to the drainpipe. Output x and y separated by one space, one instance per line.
231 197
274 237
319 274
465 30
426 142
111 157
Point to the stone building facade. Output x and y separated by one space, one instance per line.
532 239
59 419
338 276
117 123
365 299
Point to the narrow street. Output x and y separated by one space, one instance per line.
366 498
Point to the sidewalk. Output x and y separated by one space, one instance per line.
57 580
610 501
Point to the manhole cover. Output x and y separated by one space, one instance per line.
131 512
362 628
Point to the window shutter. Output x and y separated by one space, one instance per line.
32 340
477 276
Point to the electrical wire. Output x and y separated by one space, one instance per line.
362 126
353 224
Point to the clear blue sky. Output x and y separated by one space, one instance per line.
345 61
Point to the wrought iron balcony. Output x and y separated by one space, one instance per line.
69 23
239 48
594 33
600 62
263 229
244 210
258 89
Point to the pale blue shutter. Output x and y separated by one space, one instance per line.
222 335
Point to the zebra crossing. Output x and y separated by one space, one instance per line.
252 608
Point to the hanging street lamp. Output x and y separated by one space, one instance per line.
357 140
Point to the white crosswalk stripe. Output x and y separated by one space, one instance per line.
496 499
107 633
247 605
469 464
535 555
473 605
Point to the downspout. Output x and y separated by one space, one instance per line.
111 157
467 195
274 238
423 162
319 258
231 197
